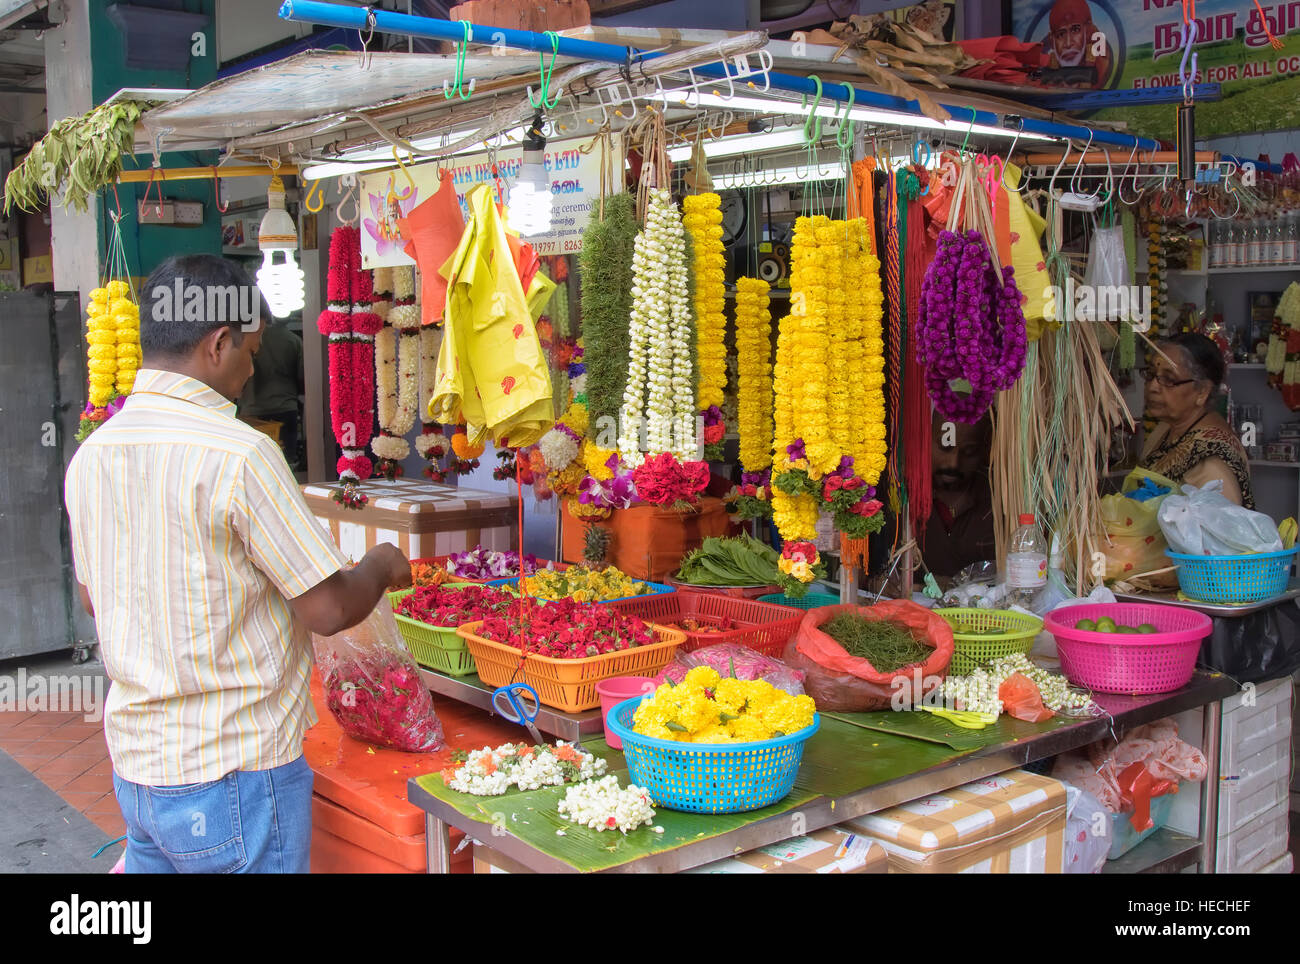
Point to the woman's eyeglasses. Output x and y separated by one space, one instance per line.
1165 381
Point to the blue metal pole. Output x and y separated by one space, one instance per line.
334 15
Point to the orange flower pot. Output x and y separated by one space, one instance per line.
649 540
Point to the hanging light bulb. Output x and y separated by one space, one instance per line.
529 211
279 280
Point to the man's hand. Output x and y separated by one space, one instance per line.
348 596
395 564
85 600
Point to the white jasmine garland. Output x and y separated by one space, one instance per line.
660 382
523 766
602 805
385 376
978 692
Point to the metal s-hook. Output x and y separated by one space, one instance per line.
1083 156
1024 181
1051 185
1119 185
216 192
364 56
314 192
349 181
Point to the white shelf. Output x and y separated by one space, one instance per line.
1262 269
1271 463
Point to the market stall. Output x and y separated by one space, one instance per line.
753 321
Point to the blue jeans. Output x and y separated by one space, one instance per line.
248 822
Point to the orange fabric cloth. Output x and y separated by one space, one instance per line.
432 232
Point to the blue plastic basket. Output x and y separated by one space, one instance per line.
812 600
710 777
655 588
1234 579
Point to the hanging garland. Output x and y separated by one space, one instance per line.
351 324
112 340
754 400
431 443
702 218
659 396
606 279
397 368
809 476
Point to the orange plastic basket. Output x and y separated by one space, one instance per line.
568 685
763 627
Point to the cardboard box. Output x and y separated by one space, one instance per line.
832 850
1010 823
419 517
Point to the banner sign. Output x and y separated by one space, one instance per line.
388 195
1137 44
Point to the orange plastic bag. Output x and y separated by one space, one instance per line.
837 681
1020 697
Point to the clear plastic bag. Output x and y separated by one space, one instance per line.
1107 270
1087 832
741 662
1204 522
976 587
373 686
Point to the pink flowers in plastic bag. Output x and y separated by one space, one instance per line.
380 698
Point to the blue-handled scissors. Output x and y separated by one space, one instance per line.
518 703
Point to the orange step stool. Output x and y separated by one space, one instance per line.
362 821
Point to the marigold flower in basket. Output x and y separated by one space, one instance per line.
709 708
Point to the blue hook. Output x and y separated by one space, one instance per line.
917 148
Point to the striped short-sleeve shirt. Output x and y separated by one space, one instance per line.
191 535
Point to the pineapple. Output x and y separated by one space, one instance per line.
596 546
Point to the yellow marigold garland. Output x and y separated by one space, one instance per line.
754 373
702 217
867 439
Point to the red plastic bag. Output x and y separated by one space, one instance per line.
1020 697
839 682
373 686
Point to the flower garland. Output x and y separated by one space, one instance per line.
754 376
351 325
659 396
970 332
112 353
399 367
702 218
867 430
828 409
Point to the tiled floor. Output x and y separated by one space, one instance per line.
69 756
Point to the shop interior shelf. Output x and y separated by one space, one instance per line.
1164 852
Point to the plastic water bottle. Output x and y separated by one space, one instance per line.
1026 564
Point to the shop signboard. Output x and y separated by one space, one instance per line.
1136 44
387 195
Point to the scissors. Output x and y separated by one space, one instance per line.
966 719
518 703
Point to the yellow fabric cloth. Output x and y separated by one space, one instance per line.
491 368
1032 278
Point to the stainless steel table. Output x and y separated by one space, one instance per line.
570 727
1213 610
1170 851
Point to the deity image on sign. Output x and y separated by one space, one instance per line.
386 209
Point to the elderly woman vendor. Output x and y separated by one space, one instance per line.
1192 443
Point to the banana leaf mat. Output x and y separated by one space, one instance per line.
933 729
534 818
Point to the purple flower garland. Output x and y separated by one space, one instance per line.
969 327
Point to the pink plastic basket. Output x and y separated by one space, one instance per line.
1128 662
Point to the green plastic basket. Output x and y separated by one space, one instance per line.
970 651
812 600
435 647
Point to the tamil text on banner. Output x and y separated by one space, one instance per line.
389 195
1137 45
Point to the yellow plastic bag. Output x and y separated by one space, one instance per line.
1133 543
491 368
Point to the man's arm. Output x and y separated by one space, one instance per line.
348 596
85 599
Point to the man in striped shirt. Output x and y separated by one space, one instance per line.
206 573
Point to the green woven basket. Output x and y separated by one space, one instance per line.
972 650
435 647
812 600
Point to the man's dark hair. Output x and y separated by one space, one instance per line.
189 296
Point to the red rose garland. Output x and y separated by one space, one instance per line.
350 323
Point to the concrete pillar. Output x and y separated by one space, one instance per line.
74 236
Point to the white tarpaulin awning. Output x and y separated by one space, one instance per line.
315 85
